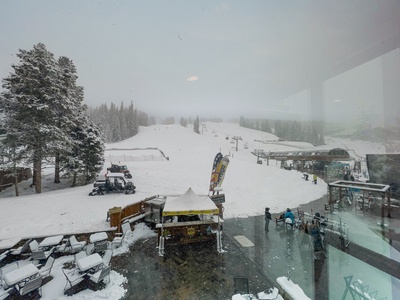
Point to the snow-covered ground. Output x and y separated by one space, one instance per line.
249 187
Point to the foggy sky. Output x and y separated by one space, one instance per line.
207 58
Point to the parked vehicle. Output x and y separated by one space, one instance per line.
113 183
120 169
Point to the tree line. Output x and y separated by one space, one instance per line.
118 124
289 130
43 117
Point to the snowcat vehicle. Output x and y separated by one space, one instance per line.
113 183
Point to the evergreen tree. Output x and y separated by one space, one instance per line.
131 121
118 124
87 156
183 122
122 121
31 105
70 109
196 125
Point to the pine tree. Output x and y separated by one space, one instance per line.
69 111
196 125
86 158
30 105
183 122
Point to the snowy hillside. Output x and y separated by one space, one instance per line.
248 186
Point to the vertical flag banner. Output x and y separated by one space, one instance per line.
222 171
217 164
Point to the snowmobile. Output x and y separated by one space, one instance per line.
114 183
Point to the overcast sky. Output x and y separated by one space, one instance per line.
204 58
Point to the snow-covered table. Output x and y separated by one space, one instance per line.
51 241
98 237
89 262
20 274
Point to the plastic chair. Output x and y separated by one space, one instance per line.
31 286
107 257
46 269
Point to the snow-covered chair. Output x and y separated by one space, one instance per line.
100 247
39 254
107 257
100 275
34 245
89 249
72 279
46 269
75 245
30 287
118 239
22 249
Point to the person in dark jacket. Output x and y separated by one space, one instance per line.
268 218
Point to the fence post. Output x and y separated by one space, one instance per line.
115 217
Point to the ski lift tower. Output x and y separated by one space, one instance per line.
237 138
202 127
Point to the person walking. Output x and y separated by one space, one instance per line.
315 179
268 218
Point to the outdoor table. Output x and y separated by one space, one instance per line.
98 237
51 241
89 262
21 274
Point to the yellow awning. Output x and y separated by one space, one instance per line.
190 212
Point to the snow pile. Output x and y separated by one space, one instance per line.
292 289
141 232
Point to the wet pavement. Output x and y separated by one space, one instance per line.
197 271
194 271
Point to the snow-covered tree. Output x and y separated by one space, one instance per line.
87 156
183 122
132 121
42 106
30 104
196 125
119 123
70 109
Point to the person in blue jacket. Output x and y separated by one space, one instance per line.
289 214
